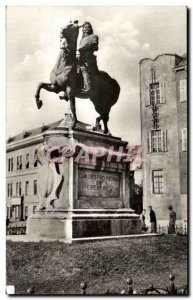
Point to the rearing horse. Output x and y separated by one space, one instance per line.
64 77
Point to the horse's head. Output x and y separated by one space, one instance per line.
70 31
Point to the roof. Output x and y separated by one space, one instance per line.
43 128
163 54
32 132
182 62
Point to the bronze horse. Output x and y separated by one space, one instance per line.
64 77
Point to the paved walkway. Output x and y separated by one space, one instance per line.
25 238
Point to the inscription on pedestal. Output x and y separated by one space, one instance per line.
93 183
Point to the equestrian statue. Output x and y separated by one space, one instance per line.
76 74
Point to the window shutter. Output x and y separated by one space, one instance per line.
183 90
149 142
164 140
147 95
17 162
20 163
17 189
184 139
182 134
162 91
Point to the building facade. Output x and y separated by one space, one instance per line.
163 100
22 173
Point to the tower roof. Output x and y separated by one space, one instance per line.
183 61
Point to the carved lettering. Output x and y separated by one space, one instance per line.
100 184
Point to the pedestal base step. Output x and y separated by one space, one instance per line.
99 238
27 239
83 226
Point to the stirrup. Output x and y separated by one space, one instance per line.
85 91
65 97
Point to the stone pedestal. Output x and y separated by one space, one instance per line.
81 196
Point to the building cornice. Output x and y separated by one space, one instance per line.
22 173
180 68
164 54
24 143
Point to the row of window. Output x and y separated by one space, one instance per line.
22 163
157 179
14 212
157 140
26 213
19 191
155 96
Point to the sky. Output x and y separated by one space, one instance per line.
126 35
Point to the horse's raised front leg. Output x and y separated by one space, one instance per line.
48 87
73 110
72 104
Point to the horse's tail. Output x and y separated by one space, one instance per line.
107 93
112 87
116 91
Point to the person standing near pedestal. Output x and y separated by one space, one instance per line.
153 220
172 219
142 218
7 221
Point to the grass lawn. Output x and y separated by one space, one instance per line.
58 268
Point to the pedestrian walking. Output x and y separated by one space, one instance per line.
142 217
172 220
153 220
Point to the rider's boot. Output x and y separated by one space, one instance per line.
63 96
87 82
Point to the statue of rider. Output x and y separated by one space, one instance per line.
87 60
